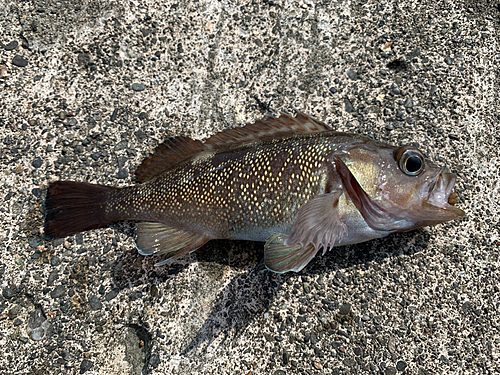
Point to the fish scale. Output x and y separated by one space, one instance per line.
289 181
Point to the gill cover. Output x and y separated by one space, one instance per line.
376 216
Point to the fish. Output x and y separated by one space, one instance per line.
291 182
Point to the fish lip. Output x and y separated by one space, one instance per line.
440 188
439 192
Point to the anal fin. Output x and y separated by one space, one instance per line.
158 238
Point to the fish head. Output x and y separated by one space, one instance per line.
397 189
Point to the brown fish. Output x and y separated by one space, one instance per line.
289 181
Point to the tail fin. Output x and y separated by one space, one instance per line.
73 207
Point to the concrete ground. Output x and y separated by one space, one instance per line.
88 88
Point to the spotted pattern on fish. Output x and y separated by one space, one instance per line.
220 193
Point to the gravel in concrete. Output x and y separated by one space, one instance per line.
87 89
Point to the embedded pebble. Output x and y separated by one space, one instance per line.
352 74
37 162
345 309
85 366
19 61
348 105
7 293
122 173
79 238
408 103
38 326
58 291
401 365
14 312
111 295
138 87
318 366
55 261
11 46
34 242
121 145
95 303
52 277
71 122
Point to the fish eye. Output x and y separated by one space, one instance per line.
410 161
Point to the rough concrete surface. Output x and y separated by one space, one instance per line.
88 88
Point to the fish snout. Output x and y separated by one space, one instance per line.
442 196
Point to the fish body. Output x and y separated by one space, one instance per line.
244 194
289 181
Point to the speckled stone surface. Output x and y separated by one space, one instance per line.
88 88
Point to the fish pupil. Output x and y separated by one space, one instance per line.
413 164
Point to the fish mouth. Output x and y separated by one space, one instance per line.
441 195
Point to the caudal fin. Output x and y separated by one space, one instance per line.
73 207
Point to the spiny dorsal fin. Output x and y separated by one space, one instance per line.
172 152
176 150
265 130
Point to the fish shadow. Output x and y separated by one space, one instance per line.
250 294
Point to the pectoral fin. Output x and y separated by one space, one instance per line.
317 225
281 258
318 222
158 238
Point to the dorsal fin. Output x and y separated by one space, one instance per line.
265 130
175 150
172 152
